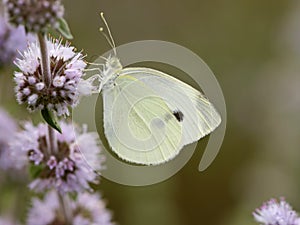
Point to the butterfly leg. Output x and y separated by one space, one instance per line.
95 82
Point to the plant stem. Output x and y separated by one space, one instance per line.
64 203
52 142
46 73
46 76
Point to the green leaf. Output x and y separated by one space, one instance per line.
64 29
35 170
50 119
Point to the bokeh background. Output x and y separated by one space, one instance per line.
253 48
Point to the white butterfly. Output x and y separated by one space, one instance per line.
149 115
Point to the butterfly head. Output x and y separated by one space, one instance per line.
113 63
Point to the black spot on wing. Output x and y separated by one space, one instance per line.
178 115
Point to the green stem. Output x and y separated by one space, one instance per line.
64 203
46 73
52 147
51 139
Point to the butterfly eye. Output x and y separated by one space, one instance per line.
114 63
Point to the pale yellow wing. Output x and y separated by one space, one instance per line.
139 125
197 114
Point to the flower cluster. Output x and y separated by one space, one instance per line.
276 213
66 71
7 221
70 167
11 40
87 209
36 15
8 128
50 78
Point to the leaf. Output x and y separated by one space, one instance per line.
35 170
64 29
50 119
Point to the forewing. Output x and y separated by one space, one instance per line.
138 124
197 115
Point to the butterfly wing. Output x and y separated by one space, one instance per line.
138 124
192 109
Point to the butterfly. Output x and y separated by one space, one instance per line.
148 115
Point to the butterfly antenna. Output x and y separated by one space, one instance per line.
108 37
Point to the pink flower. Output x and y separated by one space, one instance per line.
67 68
70 169
7 221
11 40
276 213
87 209
8 129
36 15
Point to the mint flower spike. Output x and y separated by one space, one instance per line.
35 15
87 209
8 128
70 169
11 40
276 212
7 221
67 84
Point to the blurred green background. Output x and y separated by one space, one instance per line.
252 47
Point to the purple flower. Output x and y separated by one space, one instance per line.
7 221
70 169
36 15
44 212
8 128
276 213
97 214
11 40
87 209
65 89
